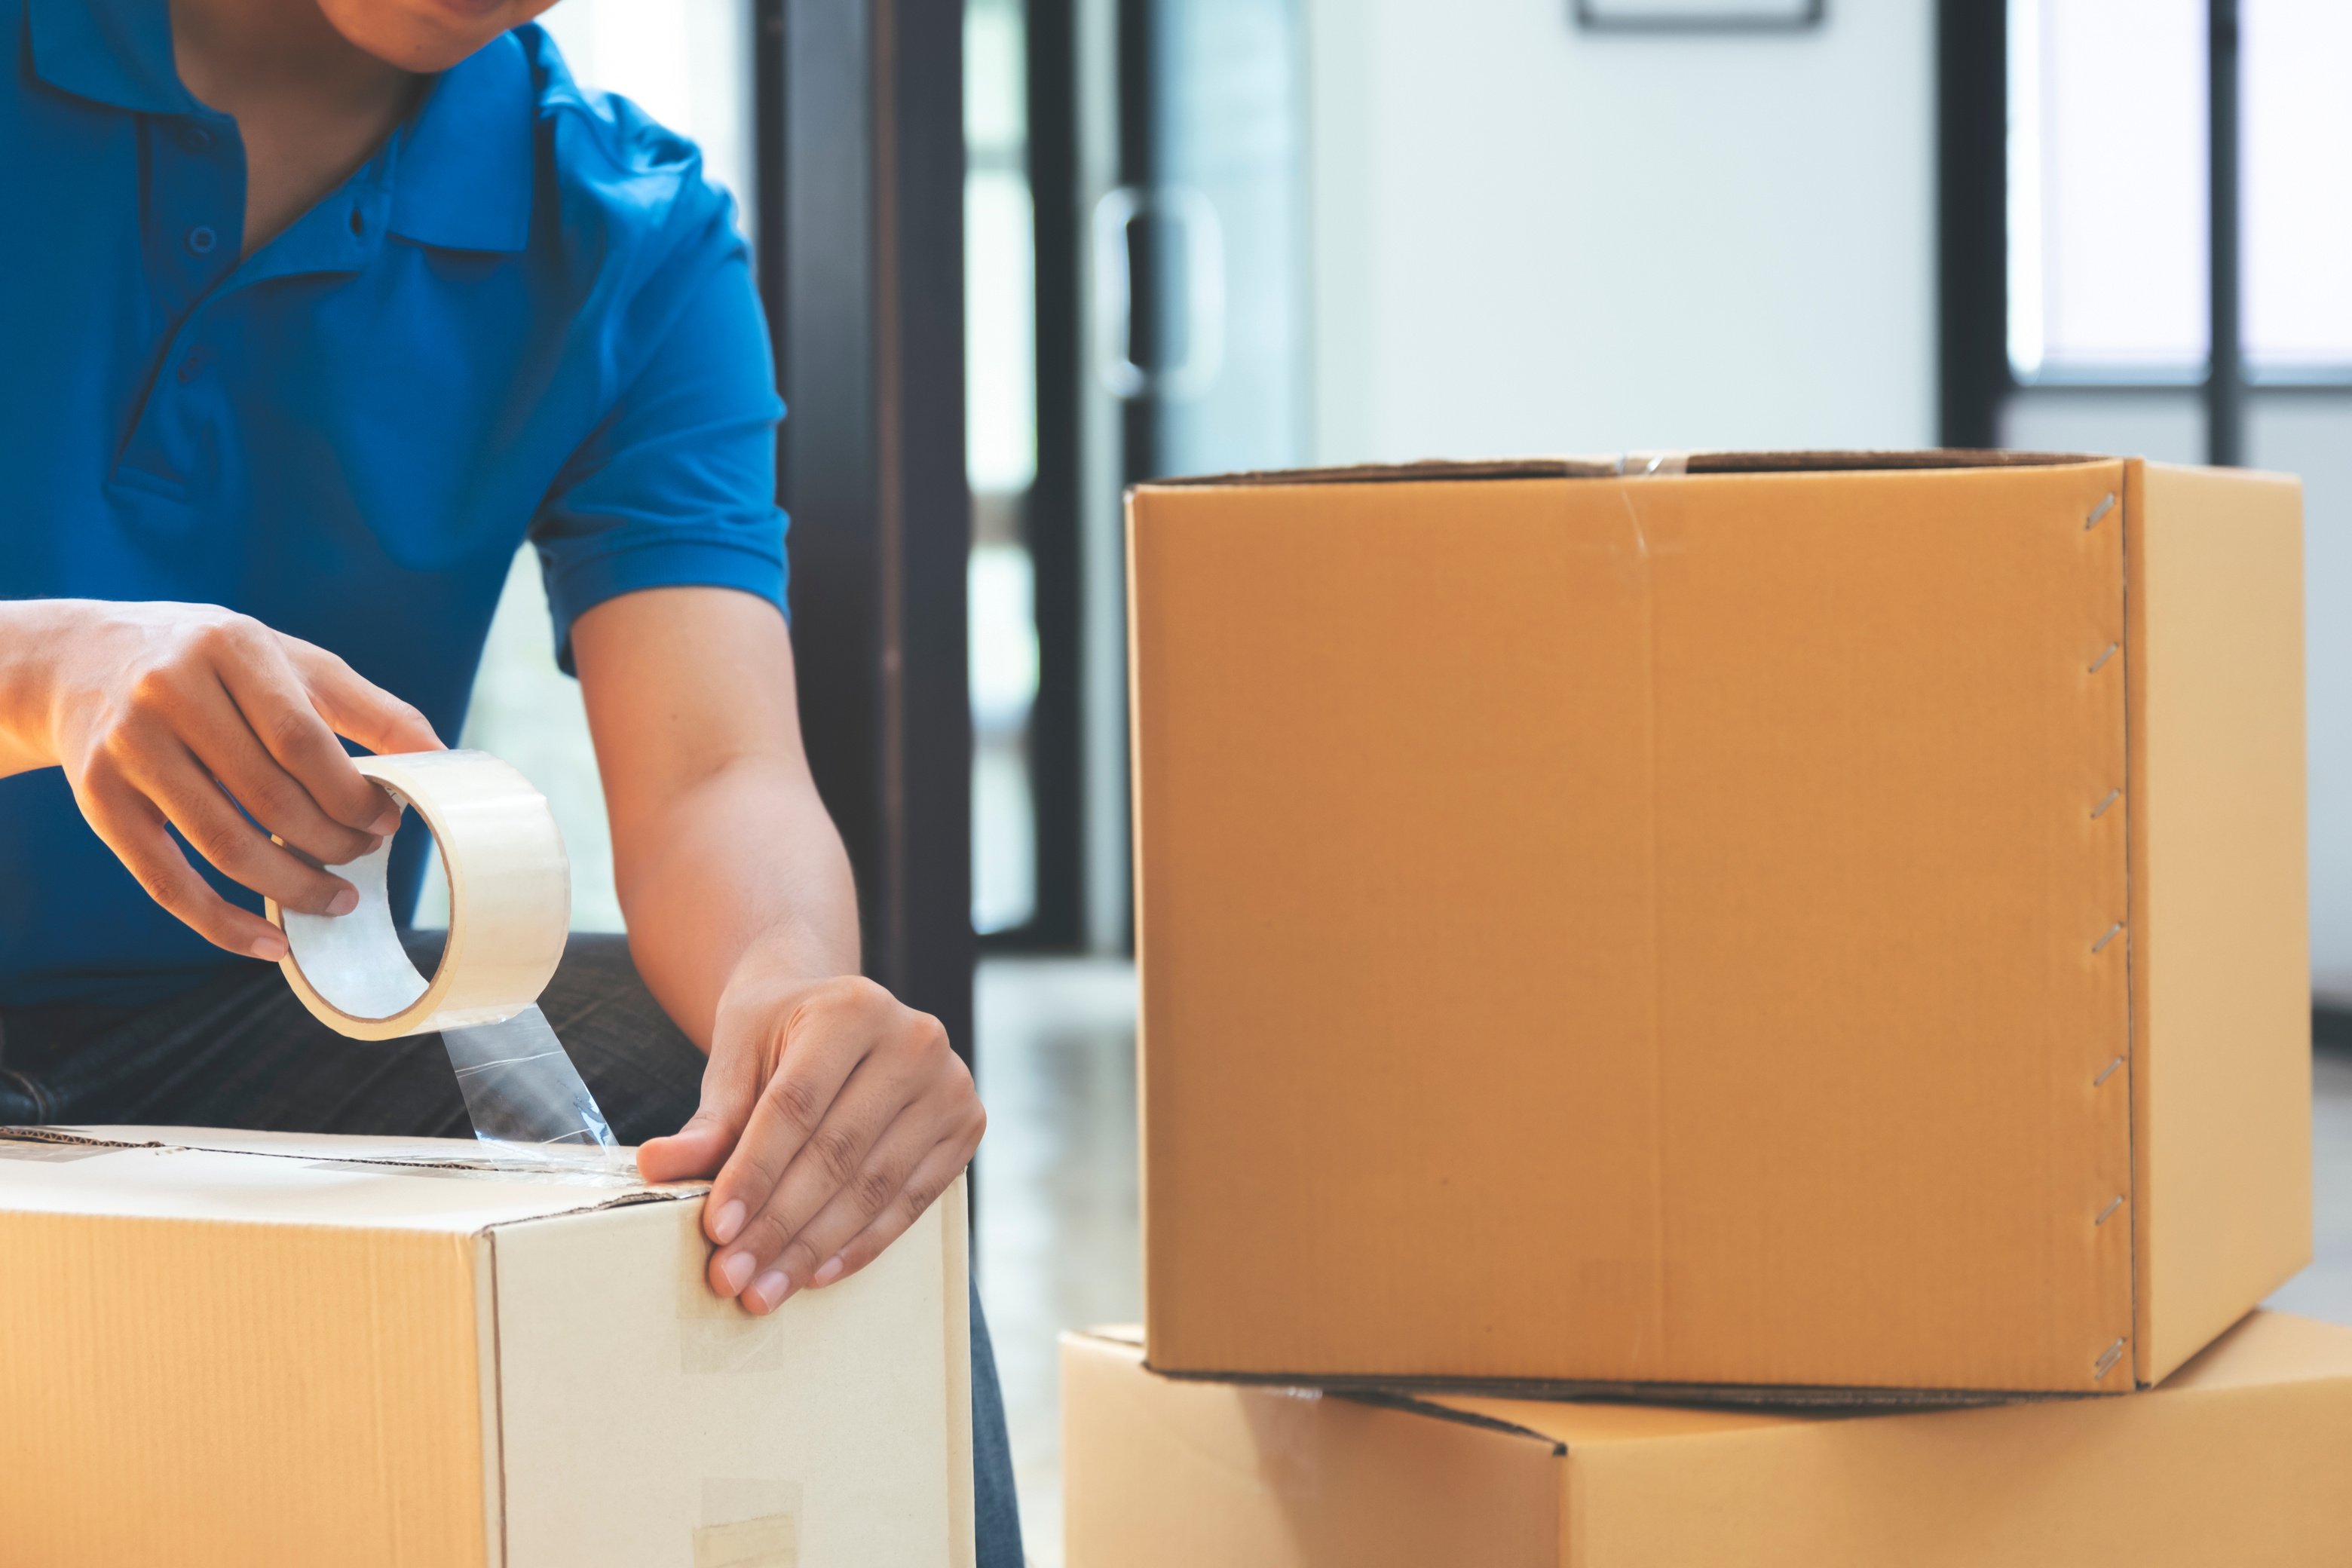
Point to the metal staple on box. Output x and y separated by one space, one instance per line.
2112 1354
2106 504
2101 810
2100 663
2112 931
2107 1072
2112 1207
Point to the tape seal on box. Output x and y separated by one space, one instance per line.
509 915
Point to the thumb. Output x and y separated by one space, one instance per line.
702 1145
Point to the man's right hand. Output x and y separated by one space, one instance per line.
182 713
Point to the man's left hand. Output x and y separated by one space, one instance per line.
834 1115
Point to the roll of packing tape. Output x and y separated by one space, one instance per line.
509 906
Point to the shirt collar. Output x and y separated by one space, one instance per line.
461 168
115 51
461 174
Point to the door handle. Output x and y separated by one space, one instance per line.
1113 230
1112 227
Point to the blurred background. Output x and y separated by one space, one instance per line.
1019 253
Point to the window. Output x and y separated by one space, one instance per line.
2147 249
1001 463
689 64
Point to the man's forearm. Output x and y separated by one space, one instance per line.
831 1113
745 858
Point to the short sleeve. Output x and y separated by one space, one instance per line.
675 487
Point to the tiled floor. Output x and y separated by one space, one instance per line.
1058 1245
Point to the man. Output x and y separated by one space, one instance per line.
313 310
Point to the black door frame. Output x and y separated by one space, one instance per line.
1058 507
1052 512
1972 243
859 115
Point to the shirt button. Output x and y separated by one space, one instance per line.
202 239
193 366
195 137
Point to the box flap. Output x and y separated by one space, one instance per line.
1608 467
449 1186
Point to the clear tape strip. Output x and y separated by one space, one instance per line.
521 1089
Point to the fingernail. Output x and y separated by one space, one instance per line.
343 903
772 1287
271 948
827 1272
387 823
728 1220
735 1268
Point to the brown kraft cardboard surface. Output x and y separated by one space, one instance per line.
1821 923
228 1348
2237 1458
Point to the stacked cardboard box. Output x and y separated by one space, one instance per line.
1810 929
2238 1457
244 1348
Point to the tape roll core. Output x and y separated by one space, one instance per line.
509 906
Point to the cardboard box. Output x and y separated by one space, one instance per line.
1820 921
221 1348
2238 1457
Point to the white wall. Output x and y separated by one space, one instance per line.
1530 240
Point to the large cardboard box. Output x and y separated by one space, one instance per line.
239 1349
1828 922
2238 1458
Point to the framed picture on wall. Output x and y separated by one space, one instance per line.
1699 15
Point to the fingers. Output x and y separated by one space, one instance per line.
183 791
193 717
130 826
830 1159
229 736
356 707
909 1167
824 1039
833 1151
923 1186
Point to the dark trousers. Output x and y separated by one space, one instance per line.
241 1051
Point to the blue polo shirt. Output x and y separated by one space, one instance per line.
528 316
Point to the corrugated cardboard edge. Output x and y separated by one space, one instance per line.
78 1139
2139 949
487 1384
955 1262
1595 467
1138 903
667 1192
1789 1397
1385 1397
